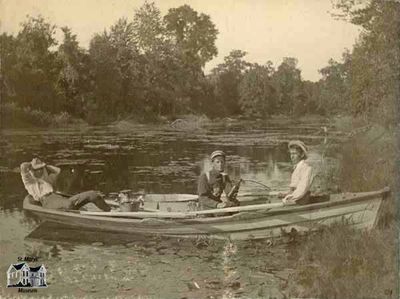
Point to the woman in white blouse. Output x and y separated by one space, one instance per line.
302 175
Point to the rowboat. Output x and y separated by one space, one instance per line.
251 221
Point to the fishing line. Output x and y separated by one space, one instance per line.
256 182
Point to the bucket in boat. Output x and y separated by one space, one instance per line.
129 206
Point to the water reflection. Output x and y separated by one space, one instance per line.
52 232
159 160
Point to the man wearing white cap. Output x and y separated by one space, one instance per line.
39 178
302 175
213 183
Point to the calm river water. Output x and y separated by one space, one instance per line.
158 159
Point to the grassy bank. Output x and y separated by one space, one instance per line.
342 263
339 262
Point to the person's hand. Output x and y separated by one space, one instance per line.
221 205
288 200
101 194
216 192
281 195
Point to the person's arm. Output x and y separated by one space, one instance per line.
26 175
28 180
303 186
53 169
53 173
202 186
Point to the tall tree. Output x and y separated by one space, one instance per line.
148 28
36 70
375 68
161 71
73 79
194 34
7 66
106 78
335 85
287 82
227 77
257 93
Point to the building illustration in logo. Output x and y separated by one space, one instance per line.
21 275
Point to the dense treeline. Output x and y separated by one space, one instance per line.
367 81
152 66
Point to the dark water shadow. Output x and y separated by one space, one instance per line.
53 232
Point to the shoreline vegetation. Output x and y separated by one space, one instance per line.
147 69
338 261
15 117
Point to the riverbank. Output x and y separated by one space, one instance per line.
14 117
339 262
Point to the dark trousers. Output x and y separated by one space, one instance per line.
309 199
206 203
60 202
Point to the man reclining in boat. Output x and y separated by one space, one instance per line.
39 178
213 183
302 175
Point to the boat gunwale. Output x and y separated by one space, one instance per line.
178 221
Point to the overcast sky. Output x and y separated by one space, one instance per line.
266 29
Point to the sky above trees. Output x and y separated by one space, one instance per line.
265 29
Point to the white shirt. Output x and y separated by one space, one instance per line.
301 181
37 187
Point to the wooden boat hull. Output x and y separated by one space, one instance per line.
359 210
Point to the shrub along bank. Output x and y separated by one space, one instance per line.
339 262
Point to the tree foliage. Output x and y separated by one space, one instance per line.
73 76
335 85
227 77
152 66
258 95
375 59
148 28
35 70
287 81
193 33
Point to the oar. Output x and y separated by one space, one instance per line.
185 214
137 214
267 206
253 194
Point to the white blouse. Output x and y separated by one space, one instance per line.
37 187
301 181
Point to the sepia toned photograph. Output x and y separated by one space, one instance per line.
199 149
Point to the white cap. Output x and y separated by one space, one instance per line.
216 154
